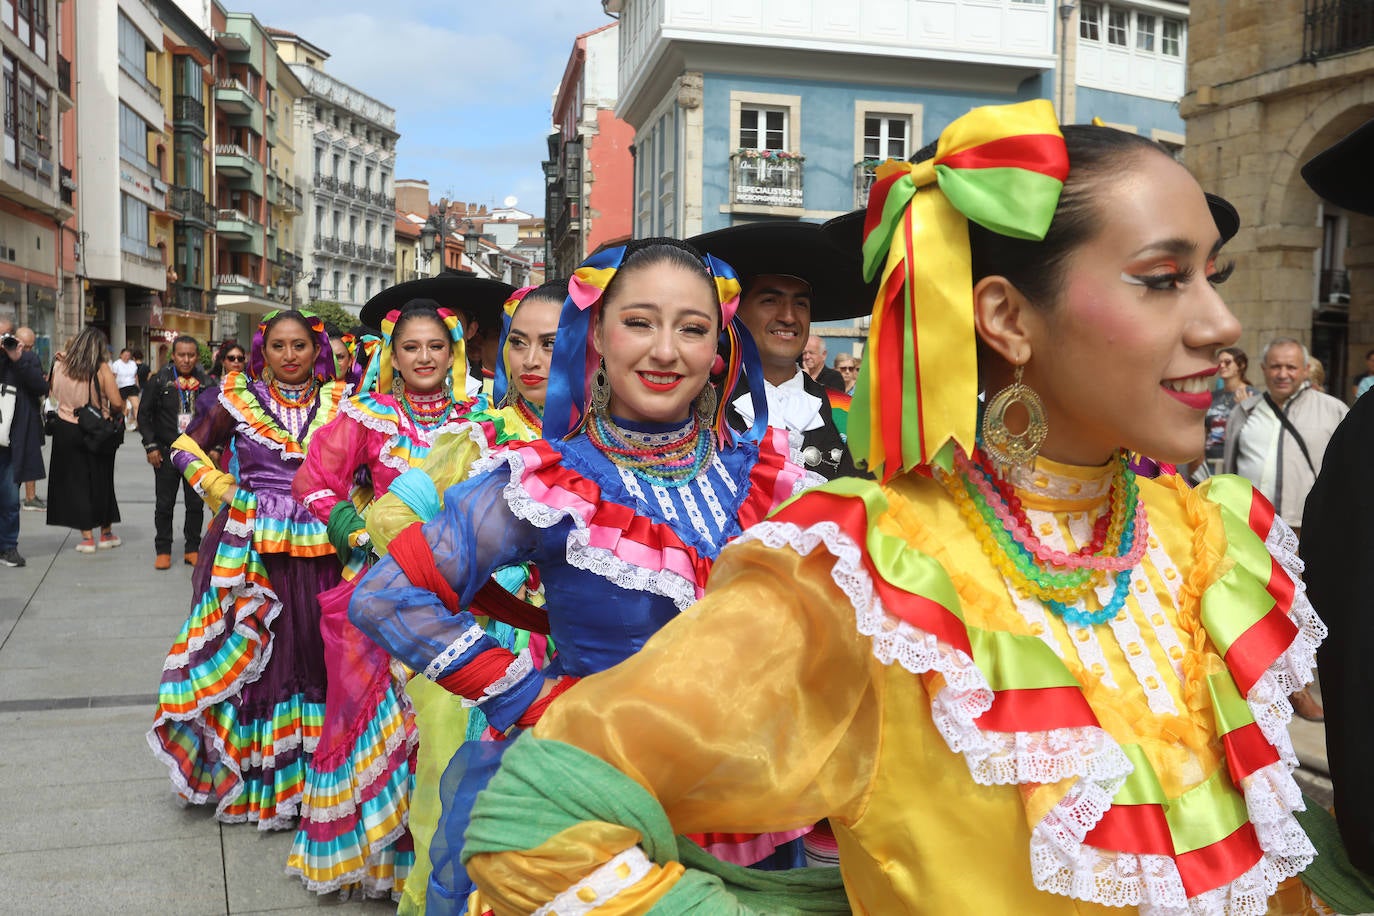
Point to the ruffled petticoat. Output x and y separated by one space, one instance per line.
241 701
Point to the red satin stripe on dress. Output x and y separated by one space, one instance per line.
1220 863
1036 709
1247 750
1255 650
1280 585
1261 514
473 679
1041 153
411 552
535 711
1139 829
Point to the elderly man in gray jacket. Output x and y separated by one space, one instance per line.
1277 439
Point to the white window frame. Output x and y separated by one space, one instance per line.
914 112
1092 23
789 104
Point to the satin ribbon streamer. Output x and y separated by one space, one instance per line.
1002 167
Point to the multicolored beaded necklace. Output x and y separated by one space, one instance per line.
993 511
666 459
293 397
532 416
426 411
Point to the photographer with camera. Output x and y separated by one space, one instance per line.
21 456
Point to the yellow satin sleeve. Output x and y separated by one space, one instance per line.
753 711
447 463
514 884
215 484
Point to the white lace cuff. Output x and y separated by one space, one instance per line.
519 669
624 871
465 641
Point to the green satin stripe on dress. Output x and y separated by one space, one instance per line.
1207 813
1142 786
1229 707
1012 662
1232 605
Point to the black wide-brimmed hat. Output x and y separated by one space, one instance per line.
1340 173
848 231
796 249
474 296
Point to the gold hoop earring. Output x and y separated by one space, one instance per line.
1006 448
601 389
706 404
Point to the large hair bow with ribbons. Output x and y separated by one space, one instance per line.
1002 167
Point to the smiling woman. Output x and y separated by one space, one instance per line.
1013 679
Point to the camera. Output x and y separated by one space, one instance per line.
9 341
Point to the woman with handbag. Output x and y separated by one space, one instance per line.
89 429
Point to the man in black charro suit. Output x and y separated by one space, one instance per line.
790 276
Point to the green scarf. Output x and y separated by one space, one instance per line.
544 787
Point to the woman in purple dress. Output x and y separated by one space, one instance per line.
241 702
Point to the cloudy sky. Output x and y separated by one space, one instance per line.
472 82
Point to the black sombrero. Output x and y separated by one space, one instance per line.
1340 173
848 231
474 296
796 249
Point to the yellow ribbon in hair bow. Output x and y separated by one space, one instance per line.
1000 166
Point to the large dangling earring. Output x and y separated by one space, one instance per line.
1008 449
706 404
601 389
268 376
398 386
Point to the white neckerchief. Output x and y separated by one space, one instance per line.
790 406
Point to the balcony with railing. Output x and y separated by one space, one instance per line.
1336 26
188 298
191 204
239 232
348 249
289 198
67 185
233 161
188 113
766 179
865 173
327 183
237 283
234 98
569 220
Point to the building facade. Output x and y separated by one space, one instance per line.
33 204
122 166
346 153
187 82
783 109
1271 86
588 173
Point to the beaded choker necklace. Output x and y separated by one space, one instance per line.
992 510
426 410
532 416
666 459
293 396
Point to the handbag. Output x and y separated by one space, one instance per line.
99 434
8 396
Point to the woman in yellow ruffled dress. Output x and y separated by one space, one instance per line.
1015 677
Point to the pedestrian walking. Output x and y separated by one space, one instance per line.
81 488
126 377
242 695
165 412
21 433
230 357
33 470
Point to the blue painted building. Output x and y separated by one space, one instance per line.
749 109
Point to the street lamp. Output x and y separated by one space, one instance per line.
432 235
472 241
313 287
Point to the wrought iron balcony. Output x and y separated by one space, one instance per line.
187 111
766 178
64 77
191 204
188 298
865 173
67 184
1336 26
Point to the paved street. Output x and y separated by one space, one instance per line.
88 821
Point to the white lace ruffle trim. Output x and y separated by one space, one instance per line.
597 560
1060 861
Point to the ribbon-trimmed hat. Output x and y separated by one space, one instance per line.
795 249
1340 173
459 291
324 359
575 356
379 370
